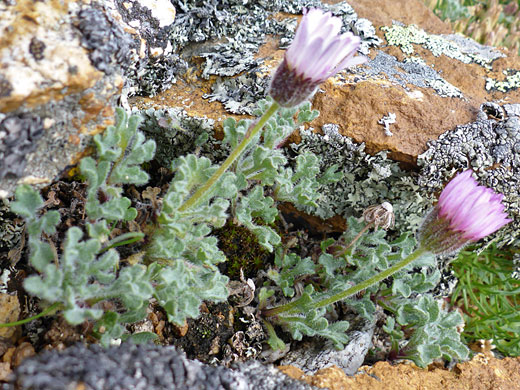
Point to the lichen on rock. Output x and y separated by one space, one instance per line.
368 180
246 27
462 49
511 81
19 135
11 229
106 41
411 71
177 133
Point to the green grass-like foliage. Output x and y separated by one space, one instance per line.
430 330
452 9
489 297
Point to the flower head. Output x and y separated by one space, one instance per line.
465 212
317 52
380 215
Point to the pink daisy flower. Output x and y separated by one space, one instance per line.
317 52
466 212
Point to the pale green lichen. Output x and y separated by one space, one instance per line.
411 71
367 180
512 81
454 47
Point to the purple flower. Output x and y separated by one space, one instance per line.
465 212
317 52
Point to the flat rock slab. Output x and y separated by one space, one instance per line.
157 368
429 78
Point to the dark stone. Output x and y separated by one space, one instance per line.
109 45
37 48
5 87
140 367
18 136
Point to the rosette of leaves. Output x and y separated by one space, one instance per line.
84 271
184 233
430 330
433 329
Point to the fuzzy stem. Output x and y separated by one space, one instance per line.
293 306
250 134
344 251
51 308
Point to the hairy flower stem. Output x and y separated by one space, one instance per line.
50 310
293 306
250 134
344 251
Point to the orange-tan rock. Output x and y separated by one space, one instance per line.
483 372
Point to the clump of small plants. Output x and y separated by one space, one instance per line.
175 257
488 296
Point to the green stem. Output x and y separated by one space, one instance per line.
202 191
291 306
344 251
124 239
51 308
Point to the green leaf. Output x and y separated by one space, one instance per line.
133 286
41 254
98 230
306 114
132 316
331 264
292 267
180 290
108 328
399 287
76 315
234 132
140 338
389 327
315 324
256 205
434 335
28 201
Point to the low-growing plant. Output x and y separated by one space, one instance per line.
179 255
176 263
431 326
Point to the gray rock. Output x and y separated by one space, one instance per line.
140 367
313 354
63 70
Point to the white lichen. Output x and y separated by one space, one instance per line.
386 121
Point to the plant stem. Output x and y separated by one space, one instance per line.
250 134
51 308
274 341
293 306
344 251
123 239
